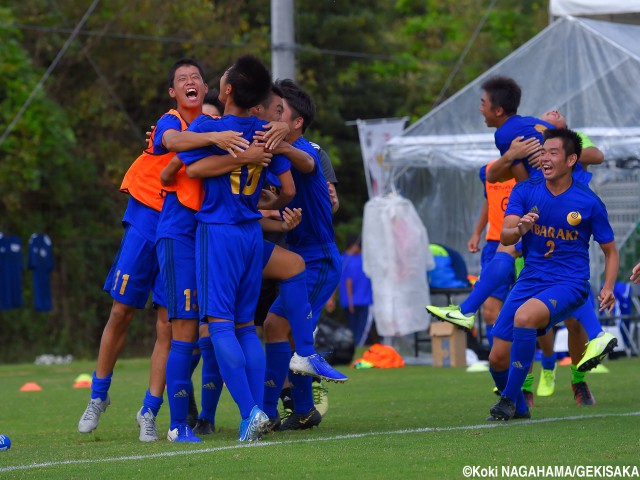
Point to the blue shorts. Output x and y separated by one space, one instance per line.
324 268
134 272
177 261
267 250
229 270
488 252
561 298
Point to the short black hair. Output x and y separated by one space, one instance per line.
181 63
571 141
212 99
503 92
275 91
251 81
299 101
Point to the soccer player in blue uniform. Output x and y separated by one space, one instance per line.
313 240
229 244
554 217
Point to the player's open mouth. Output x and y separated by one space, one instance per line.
191 93
546 168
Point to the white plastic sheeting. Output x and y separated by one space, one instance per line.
396 257
588 69
592 7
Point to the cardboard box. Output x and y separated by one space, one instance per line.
448 345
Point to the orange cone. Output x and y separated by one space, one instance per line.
83 381
30 387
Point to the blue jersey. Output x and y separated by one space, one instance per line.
233 197
10 272
527 127
312 196
176 221
41 262
558 245
517 126
361 285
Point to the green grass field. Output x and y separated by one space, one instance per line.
412 422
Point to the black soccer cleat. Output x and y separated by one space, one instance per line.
505 409
302 421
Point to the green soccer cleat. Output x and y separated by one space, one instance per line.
597 349
452 314
320 398
547 384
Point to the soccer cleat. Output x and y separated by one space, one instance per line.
582 394
192 417
522 416
148 427
497 391
597 349
528 397
300 421
547 384
285 413
516 416
321 398
505 409
316 366
182 434
203 427
274 424
452 314
252 428
91 416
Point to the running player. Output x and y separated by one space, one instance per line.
555 218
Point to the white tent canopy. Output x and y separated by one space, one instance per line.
587 69
593 7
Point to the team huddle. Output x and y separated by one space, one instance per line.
546 221
198 207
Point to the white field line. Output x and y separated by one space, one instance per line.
316 439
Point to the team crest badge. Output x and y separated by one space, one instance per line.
574 218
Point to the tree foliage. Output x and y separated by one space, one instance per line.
62 163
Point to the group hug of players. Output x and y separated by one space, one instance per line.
193 235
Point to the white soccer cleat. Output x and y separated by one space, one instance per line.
148 427
91 416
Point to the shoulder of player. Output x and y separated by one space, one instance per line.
306 146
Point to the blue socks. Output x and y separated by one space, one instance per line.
211 381
255 361
151 403
522 350
591 324
499 271
100 386
232 364
549 363
301 392
295 302
278 357
500 378
179 380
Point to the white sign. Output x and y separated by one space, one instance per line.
373 136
